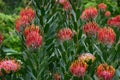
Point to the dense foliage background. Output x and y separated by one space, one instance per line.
54 56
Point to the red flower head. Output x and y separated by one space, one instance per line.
62 1
26 17
28 13
87 57
102 6
106 35
33 37
91 28
115 21
1 38
65 34
9 66
19 25
67 5
34 40
107 13
78 68
106 72
31 28
89 13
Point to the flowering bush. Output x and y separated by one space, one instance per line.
62 40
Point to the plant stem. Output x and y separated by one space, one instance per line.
118 2
3 78
83 78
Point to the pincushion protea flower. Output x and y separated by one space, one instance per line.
34 40
106 35
31 28
1 38
107 13
27 15
105 72
91 28
65 34
102 6
89 13
9 66
33 37
19 25
67 5
115 21
87 57
78 68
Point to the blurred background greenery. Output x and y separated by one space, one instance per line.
12 6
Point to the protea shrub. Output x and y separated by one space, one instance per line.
56 34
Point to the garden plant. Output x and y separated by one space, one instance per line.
63 40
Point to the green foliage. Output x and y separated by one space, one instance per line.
7 28
12 6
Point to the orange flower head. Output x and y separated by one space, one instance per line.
29 13
102 6
106 35
65 34
78 68
89 13
1 38
107 13
9 66
87 57
115 21
106 72
91 28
